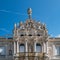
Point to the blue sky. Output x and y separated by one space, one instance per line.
45 11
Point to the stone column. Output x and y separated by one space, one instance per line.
14 47
44 47
17 47
26 46
35 50
34 46
54 50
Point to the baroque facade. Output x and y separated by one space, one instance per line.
30 41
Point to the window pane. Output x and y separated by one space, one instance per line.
38 48
57 50
22 48
10 52
2 51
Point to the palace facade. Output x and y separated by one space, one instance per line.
30 41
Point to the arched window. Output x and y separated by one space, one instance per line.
38 34
30 34
38 47
22 35
22 48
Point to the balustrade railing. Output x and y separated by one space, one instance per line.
30 54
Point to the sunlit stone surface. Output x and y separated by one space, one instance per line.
30 41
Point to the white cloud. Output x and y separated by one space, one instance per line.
58 35
3 29
7 11
50 35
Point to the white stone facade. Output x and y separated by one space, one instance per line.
30 41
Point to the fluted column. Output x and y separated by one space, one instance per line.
14 47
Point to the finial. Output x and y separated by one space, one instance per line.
21 23
29 11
